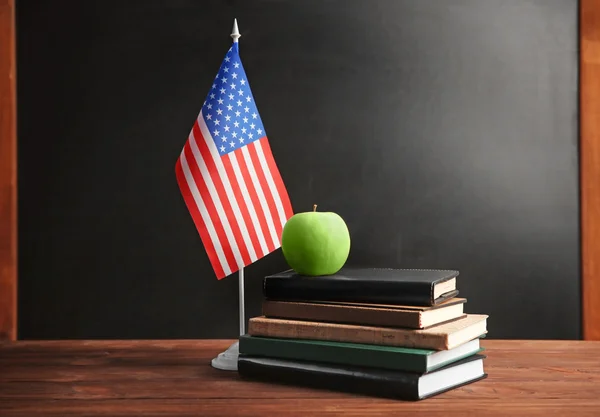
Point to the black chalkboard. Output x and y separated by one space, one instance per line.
443 132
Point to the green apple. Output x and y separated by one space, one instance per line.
315 243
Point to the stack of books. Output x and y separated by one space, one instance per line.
395 333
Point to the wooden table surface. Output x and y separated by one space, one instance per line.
174 378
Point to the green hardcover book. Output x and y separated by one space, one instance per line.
374 356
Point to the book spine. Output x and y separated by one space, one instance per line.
259 326
341 355
324 289
342 314
369 382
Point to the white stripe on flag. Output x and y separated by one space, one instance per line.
204 214
215 198
242 183
272 186
228 190
261 196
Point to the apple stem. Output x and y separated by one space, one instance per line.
314 207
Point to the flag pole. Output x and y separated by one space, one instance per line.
241 303
227 360
235 35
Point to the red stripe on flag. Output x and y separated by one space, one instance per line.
243 205
255 201
198 221
218 183
209 206
281 190
260 173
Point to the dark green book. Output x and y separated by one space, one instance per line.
373 356
400 385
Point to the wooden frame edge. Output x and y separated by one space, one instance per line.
589 113
8 174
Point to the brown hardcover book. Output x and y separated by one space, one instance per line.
441 337
414 317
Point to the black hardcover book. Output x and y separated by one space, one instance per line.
419 287
400 385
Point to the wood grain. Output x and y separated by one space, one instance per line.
590 165
8 175
123 378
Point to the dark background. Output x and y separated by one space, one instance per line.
443 132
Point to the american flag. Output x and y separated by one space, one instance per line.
228 177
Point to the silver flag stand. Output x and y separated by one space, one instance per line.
227 360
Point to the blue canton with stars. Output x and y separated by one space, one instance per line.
229 110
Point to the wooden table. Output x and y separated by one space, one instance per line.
173 378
